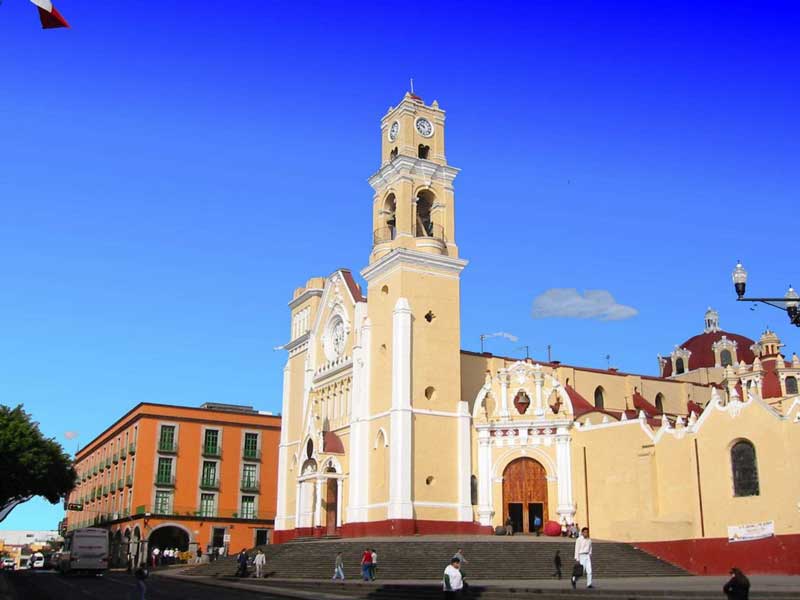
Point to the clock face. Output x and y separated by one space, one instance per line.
393 131
424 127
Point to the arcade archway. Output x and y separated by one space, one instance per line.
169 536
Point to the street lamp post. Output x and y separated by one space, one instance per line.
790 303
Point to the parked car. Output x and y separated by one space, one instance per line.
36 561
8 564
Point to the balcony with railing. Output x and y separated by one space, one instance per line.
383 235
212 451
132 448
165 480
250 484
129 480
251 454
123 453
121 483
167 446
209 483
215 512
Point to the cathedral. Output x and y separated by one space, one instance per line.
390 428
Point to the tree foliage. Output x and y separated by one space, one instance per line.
31 464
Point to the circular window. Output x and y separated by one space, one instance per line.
335 337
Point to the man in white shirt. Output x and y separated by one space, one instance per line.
583 555
453 581
259 561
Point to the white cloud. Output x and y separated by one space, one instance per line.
503 334
568 303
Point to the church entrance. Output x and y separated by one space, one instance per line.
524 494
331 507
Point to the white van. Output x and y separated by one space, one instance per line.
85 550
36 561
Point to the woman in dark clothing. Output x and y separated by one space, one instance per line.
738 586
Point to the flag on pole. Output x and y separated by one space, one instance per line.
48 15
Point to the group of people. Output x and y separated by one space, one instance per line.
243 561
369 564
167 556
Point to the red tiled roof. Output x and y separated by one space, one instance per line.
702 354
695 408
355 289
580 406
641 403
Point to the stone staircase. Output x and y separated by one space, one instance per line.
425 559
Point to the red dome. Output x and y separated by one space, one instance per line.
703 356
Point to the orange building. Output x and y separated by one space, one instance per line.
179 477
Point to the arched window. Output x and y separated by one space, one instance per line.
725 358
660 403
423 150
679 368
424 224
473 490
599 399
745 469
791 385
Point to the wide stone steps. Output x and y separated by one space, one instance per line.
426 559
389 591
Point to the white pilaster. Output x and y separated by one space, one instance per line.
566 505
359 426
538 379
485 509
338 502
464 464
400 506
502 375
318 502
281 521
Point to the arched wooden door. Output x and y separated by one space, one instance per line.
331 507
524 493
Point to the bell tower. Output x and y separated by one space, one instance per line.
413 204
413 280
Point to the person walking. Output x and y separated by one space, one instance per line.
199 555
374 567
537 525
241 560
453 581
338 569
156 552
738 586
583 555
259 561
462 560
557 564
366 564
141 574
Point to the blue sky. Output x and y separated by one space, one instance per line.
169 174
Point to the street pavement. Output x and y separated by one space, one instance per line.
48 585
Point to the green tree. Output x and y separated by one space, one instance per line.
30 464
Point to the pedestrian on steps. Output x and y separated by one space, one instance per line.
338 571
374 567
462 560
366 564
557 564
537 525
453 582
583 556
259 561
241 560
509 526
738 586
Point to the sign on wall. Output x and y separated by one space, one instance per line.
751 531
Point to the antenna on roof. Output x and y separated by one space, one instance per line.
527 351
608 361
412 85
549 357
